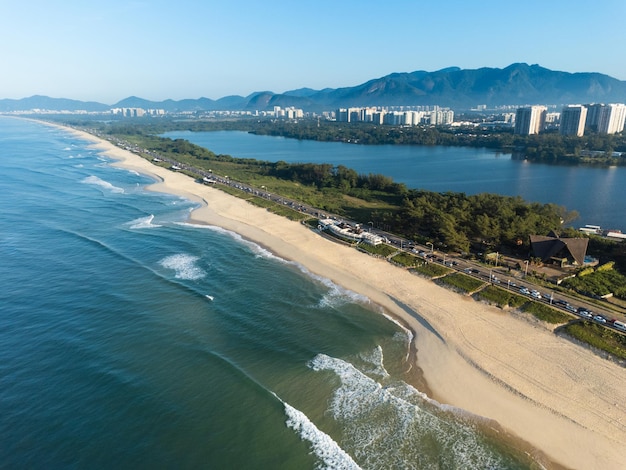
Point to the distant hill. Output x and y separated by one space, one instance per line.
47 103
517 84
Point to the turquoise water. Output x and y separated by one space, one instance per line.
112 356
597 194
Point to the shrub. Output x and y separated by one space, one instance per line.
462 282
546 313
598 337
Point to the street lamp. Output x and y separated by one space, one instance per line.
432 247
526 270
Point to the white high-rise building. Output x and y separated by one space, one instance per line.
573 119
606 118
530 120
611 119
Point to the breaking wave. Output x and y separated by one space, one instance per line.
143 222
184 266
94 180
324 447
390 424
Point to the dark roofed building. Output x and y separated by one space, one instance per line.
561 251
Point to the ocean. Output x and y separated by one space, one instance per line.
130 338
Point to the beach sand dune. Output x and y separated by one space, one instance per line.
557 396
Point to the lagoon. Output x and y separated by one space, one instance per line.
597 194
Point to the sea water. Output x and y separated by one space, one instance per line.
130 338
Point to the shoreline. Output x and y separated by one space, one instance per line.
562 400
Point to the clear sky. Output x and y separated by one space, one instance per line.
155 49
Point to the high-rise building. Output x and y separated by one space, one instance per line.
611 120
530 120
606 118
573 119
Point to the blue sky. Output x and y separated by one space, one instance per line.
108 50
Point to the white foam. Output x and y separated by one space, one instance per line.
336 295
406 337
375 361
143 222
324 447
94 180
392 424
184 266
257 249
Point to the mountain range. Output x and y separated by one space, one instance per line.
459 89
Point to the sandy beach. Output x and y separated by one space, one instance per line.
559 397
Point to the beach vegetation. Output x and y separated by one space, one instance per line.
501 297
405 259
431 270
383 250
462 282
546 313
599 337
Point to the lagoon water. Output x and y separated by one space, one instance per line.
597 194
112 356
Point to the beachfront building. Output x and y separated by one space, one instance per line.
559 251
573 118
530 120
349 232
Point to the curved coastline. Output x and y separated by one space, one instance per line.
560 398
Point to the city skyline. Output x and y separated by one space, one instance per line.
158 50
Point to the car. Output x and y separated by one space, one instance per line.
524 290
570 308
561 302
599 319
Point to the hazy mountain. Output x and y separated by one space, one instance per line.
517 84
52 104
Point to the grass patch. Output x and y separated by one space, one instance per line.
462 282
405 259
598 337
431 270
501 297
546 313
379 250
288 213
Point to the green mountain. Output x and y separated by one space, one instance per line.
517 84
